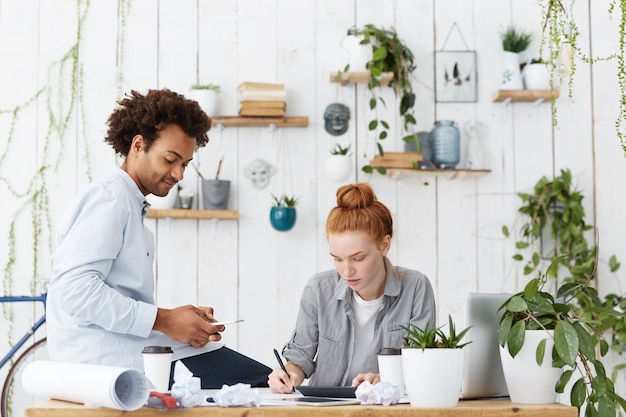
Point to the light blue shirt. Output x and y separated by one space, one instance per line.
101 306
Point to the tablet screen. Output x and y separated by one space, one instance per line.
325 401
327 391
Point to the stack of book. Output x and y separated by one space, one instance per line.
262 99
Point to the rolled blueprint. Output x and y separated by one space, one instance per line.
95 385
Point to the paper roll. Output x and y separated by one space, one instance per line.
97 385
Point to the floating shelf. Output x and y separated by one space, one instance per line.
193 214
345 78
450 173
251 121
524 95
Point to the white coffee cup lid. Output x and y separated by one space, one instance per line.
157 349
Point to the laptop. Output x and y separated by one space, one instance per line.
482 370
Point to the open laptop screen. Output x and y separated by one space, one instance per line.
482 370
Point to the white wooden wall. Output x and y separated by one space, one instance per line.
448 229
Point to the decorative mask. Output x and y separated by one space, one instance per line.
259 172
336 117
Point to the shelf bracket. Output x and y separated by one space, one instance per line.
537 102
272 128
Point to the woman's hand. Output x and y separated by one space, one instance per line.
369 377
283 383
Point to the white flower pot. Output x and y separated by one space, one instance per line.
433 377
207 100
511 75
537 77
358 55
527 382
338 167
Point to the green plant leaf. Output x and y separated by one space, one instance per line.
566 342
517 304
540 351
578 395
515 341
373 125
563 380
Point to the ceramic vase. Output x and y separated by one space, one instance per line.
215 194
338 167
527 382
433 377
511 74
444 144
283 218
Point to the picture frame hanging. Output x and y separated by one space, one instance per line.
456 77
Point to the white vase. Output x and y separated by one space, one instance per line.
163 203
511 74
206 98
527 382
338 167
536 77
433 377
358 55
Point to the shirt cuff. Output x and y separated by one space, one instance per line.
144 320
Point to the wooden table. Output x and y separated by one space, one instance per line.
467 408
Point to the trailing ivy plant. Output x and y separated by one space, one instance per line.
389 54
553 215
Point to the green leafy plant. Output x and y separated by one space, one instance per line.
285 201
213 87
515 40
340 150
389 54
577 339
431 337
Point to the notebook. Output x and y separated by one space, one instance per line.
482 370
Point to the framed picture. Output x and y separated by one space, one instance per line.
455 77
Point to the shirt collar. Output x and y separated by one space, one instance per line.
142 202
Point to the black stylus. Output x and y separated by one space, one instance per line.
282 366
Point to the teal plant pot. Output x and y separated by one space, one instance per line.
283 218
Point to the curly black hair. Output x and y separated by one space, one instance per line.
148 115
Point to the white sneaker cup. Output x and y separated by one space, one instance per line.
157 363
390 367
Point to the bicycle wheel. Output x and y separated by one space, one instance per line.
14 398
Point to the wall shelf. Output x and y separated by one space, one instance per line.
507 96
251 121
345 78
192 214
396 173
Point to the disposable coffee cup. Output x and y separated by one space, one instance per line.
157 363
390 367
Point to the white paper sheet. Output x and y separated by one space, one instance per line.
95 385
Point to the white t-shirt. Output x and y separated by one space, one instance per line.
365 313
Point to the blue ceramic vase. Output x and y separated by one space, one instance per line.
283 218
444 144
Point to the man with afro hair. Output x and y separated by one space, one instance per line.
101 306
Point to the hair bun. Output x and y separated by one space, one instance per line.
355 196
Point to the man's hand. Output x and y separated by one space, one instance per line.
188 324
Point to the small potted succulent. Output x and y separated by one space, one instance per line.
206 96
283 212
339 163
514 45
430 351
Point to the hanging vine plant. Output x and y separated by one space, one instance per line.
560 35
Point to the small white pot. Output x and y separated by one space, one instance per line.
358 55
527 382
433 377
207 100
338 167
536 77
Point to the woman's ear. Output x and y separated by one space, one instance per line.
385 245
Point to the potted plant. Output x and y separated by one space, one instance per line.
389 54
206 96
429 351
536 75
570 340
283 212
514 45
339 163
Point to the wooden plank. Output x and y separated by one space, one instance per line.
193 214
471 408
397 160
524 95
251 121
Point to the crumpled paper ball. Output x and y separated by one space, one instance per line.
186 388
238 395
385 393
